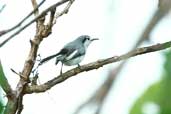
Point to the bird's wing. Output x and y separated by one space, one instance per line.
66 51
71 53
74 55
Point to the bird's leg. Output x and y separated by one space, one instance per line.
61 69
79 66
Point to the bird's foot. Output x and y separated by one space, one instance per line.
79 66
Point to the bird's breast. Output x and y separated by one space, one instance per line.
74 61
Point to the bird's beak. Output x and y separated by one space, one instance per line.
94 39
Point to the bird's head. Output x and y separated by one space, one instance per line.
86 40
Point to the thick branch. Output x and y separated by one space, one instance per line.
95 65
15 104
11 106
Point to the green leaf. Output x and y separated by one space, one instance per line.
2 77
1 103
157 98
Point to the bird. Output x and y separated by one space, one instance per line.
72 53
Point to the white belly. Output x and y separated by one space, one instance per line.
73 61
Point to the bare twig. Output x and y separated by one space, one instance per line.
35 19
2 8
19 74
34 79
3 32
34 3
52 15
95 65
65 10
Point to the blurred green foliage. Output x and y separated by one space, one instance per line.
1 103
157 98
1 96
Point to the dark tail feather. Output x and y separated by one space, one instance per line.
56 62
59 58
47 59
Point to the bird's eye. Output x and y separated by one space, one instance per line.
86 38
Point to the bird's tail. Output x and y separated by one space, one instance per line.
47 59
59 58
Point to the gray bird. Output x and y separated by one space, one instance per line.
72 53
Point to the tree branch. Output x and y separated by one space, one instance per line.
94 65
163 9
35 19
42 31
2 8
3 32
34 4
65 11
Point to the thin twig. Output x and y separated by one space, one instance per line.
35 19
19 74
2 8
34 4
65 11
52 15
95 65
3 32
